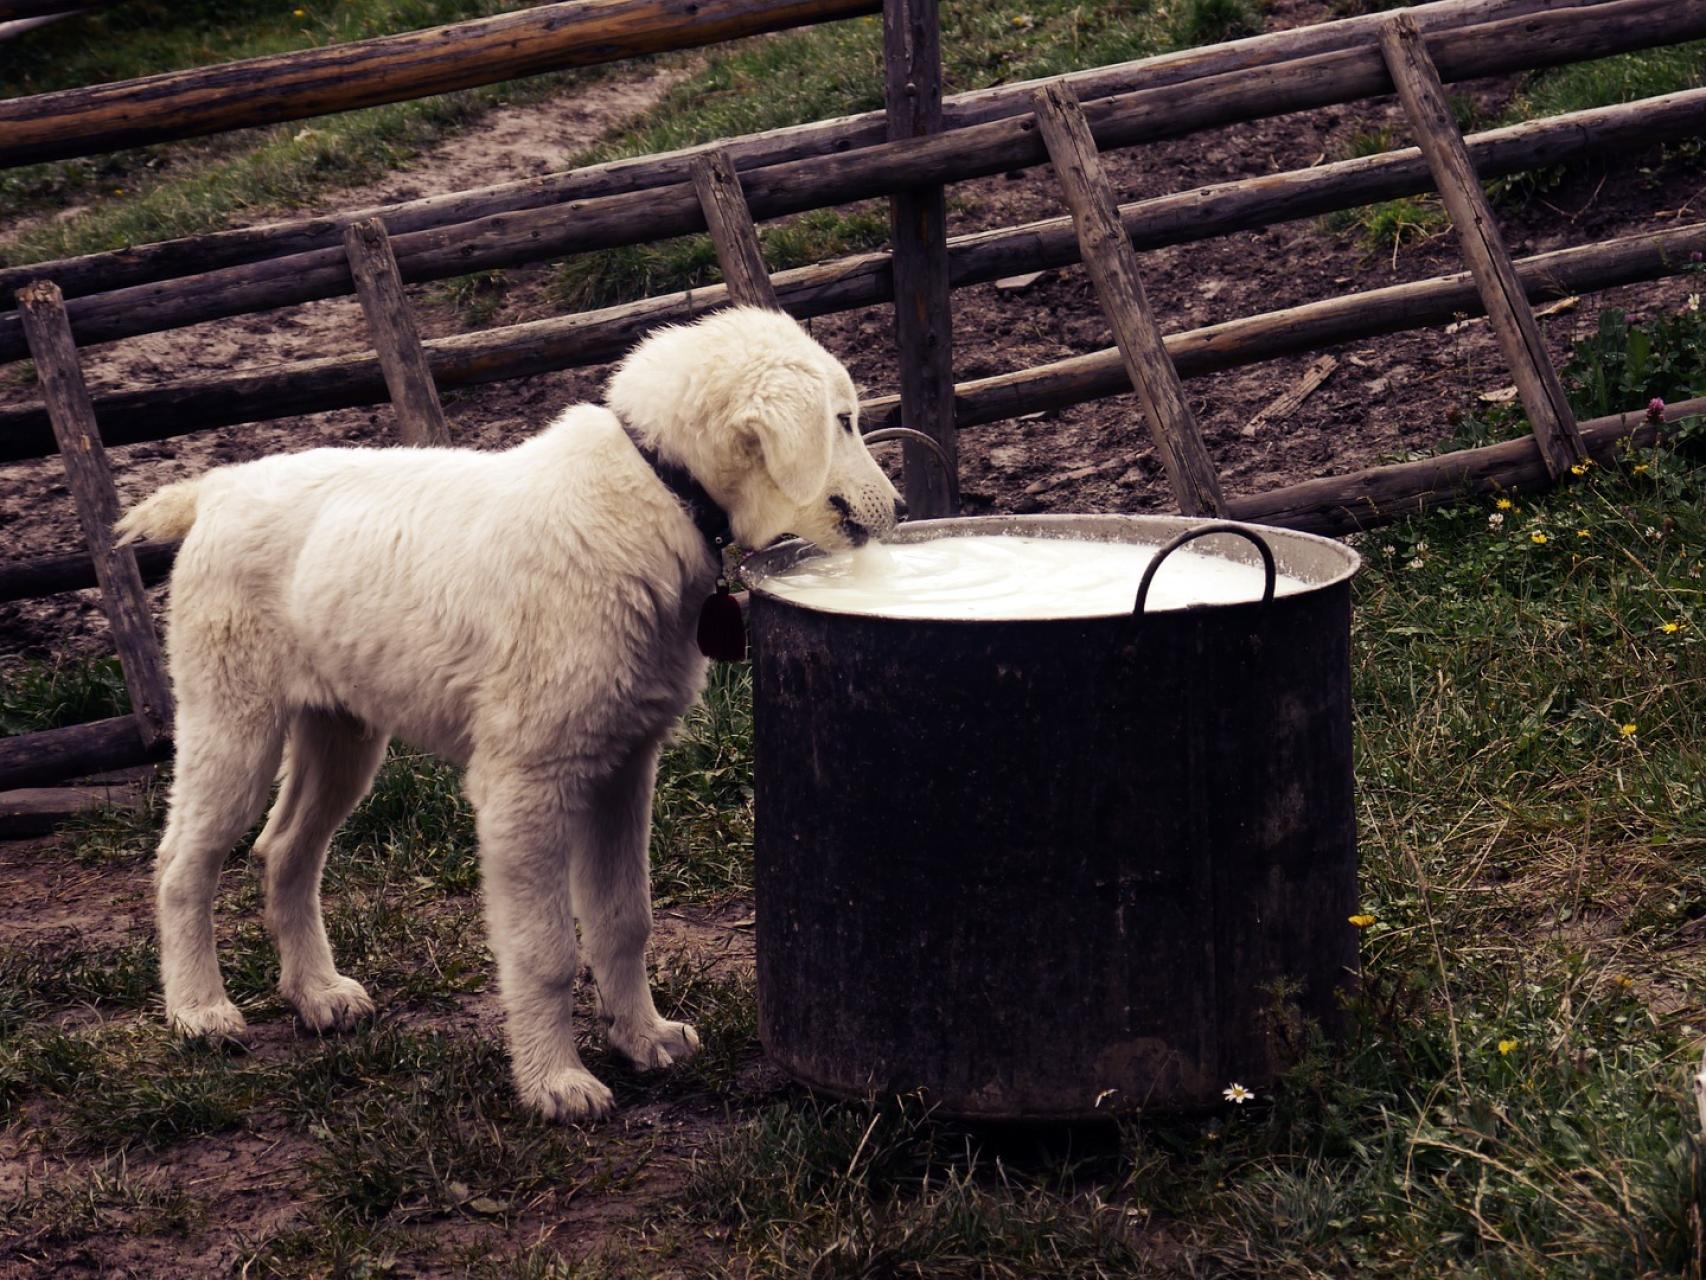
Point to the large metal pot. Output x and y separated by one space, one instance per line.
1046 868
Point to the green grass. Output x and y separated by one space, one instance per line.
702 818
1213 21
1624 78
70 1205
444 1133
840 1190
37 694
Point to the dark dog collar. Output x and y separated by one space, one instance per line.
721 632
709 518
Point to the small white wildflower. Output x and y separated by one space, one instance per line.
1417 563
1694 302
1496 520
1421 548
1236 1093
1653 533
1389 551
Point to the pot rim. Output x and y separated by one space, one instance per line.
761 566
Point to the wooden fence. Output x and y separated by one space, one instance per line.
367 73
907 155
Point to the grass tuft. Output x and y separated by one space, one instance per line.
1213 21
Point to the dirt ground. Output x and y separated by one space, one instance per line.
1387 396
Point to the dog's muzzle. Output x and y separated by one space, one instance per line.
851 529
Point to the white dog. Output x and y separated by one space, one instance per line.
529 614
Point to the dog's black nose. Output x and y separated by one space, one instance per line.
900 509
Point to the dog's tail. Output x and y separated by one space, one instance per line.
166 514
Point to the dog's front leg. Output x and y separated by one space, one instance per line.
526 830
612 888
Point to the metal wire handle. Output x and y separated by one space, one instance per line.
1203 531
917 437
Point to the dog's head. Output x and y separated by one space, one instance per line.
766 420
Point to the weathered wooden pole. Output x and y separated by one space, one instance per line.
91 483
1112 264
396 340
730 223
1508 312
918 230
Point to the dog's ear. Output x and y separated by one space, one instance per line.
793 433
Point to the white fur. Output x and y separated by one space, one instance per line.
529 614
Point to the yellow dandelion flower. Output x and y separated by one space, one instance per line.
1639 467
1538 539
1626 730
1505 1047
1623 981
1582 533
1362 921
1670 628
1579 469
1504 504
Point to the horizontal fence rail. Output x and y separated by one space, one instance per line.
1149 115
75 571
32 759
367 73
190 255
1358 500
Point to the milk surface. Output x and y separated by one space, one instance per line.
996 576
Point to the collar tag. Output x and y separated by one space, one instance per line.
722 631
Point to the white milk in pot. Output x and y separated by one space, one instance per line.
999 577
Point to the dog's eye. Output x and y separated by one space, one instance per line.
846 422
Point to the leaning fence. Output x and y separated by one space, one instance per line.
906 154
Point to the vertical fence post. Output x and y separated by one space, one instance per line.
396 341
91 482
1512 320
730 223
918 230
1112 265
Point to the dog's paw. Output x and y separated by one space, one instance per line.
216 1022
651 1048
331 1006
570 1095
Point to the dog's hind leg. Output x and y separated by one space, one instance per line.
612 890
225 765
329 762
526 820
